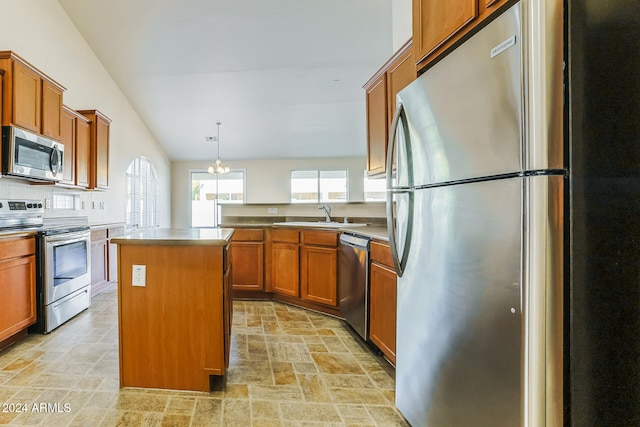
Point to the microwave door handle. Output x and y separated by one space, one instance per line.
54 161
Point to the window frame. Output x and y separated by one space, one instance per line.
137 214
318 192
217 203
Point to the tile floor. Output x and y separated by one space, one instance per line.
289 367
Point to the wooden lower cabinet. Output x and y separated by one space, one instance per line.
382 300
17 287
174 332
382 310
304 265
285 268
99 261
247 255
104 261
318 275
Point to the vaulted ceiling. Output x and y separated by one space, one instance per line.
284 77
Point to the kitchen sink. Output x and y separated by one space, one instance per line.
321 224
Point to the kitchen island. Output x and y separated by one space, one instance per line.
174 307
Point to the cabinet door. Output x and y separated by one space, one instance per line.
67 138
83 152
319 272
286 267
401 72
247 259
99 263
377 125
17 295
101 156
382 310
435 22
51 109
27 97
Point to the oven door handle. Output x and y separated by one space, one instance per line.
66 238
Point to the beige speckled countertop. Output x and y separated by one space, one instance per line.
378 232
177 236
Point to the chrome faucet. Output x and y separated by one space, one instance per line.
327 211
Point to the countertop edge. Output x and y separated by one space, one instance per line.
174 237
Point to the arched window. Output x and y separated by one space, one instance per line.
142 195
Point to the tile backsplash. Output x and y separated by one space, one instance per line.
100 207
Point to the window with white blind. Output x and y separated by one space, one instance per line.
142 195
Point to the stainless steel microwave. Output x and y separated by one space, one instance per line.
32 156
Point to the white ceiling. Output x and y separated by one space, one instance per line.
284 77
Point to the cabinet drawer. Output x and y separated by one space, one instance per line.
248 235
17 247
381 253
320 238
290 236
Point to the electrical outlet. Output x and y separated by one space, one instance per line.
272 210
47 203
139 277
101 205
82 205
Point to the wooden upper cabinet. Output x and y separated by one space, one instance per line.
377 125
30 99
402 71
68 139
27 97
438 26
381 91
51 109
435 22
83 151
99 166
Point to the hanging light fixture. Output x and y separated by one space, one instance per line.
217 166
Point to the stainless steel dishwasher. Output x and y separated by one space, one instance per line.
353 282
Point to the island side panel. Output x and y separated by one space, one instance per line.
171 331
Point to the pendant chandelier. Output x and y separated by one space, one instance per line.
217 166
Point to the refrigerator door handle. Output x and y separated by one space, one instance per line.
399 259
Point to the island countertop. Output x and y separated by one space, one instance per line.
177 236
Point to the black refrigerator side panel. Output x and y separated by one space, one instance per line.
603 298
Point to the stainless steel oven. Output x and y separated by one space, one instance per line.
65 271
63 259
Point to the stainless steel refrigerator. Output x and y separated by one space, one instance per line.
514 218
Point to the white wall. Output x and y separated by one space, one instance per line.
267 181
401 22
41 33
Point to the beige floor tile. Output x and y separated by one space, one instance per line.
317 412
337 363
289 367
